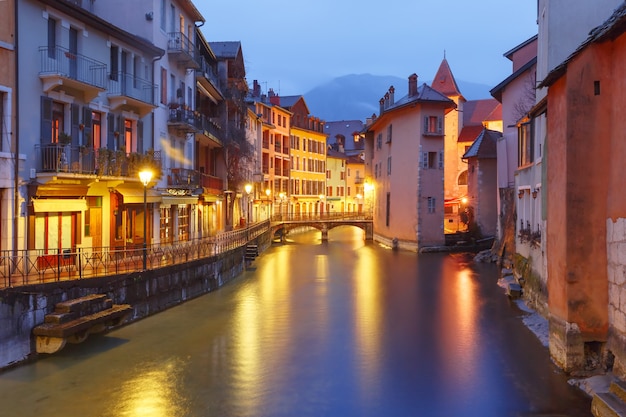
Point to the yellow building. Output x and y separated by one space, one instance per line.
355 182
276 124
335 181
307 183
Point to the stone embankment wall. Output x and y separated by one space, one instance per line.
23 308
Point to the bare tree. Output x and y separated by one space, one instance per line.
527 99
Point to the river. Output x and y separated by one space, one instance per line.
340 328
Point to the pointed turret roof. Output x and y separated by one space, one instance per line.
444 81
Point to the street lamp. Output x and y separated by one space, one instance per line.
248 188
145 176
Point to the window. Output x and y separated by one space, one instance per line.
431 204
433 125
183 222
3 128
432 160
114 63
163 86
163 8
129 143
96 129
389 134
172 18
525 148
165 226
379 141
52 38
463 178
388 165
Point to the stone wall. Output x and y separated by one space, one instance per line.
149 292
616 273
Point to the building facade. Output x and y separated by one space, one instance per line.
404 155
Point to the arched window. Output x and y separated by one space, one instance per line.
463 178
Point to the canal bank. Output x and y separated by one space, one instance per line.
148 292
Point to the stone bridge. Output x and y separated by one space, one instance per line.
322 222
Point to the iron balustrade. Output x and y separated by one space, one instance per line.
36 266
323 217
124 84
61 61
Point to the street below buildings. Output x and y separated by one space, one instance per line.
339 328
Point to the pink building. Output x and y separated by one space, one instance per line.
404 158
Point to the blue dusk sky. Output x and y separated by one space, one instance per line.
293 47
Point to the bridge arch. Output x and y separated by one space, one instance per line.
280 229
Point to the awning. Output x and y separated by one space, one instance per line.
55 205
169 200
135 195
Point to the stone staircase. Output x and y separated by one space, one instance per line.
73 320
252 251
611 403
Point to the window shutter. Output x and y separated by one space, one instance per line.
425 160
121 128
140 147
110 131
87 139
440 162
440 125
425 124
75 112
46 120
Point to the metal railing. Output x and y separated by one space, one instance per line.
29 267
60 61
329 216
123 84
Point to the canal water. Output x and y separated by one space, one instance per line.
340 328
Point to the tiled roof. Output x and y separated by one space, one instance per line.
444 81
475 112
424 93
226 49
613 27
288 101
347 128
470 133
335 154
484 146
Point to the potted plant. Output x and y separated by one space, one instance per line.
64 138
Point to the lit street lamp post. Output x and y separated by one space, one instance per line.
145 176
248 188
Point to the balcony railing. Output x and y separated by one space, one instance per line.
123 84
183 177
60 158
60 61
209 127
207 72
211 182
184 119
359 180
179 45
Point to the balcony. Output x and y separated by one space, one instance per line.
214 185
208 79
183 178
183 119
58 158
359 180
180 47
127 92
209 127
73 72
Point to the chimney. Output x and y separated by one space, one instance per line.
256 89
391 98
382 106
274 98
413 85
386 100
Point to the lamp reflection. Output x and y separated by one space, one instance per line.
153 393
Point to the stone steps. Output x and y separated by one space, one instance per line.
73 320
611 403
252 251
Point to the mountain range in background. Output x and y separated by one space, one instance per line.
356 96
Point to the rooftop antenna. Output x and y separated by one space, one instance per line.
444 54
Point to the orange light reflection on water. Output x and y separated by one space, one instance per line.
458 323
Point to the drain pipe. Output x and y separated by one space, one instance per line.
16 136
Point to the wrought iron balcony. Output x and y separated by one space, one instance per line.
61 68
182 49
183 119
61 158
210 128
128 91
183 178
214 184
208 78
